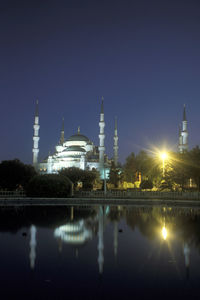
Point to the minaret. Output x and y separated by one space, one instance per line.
32 244
115 148
36 138
62 134
180 137
100 241
101 141
183 136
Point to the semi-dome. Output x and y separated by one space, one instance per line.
78 137
75 148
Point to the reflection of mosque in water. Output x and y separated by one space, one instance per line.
78 232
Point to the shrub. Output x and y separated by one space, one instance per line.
49 185
146 184
87 186
87 177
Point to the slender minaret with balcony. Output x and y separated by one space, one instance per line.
62 133
115 148
101 141
183 134
36 138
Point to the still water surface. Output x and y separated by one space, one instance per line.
99 252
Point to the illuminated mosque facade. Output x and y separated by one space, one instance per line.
76 151
80 152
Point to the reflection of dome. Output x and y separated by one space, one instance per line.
73 233
78 137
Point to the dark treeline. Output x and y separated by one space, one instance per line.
16 176
182 170
181 173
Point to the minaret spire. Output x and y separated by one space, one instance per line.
183 136
101 140
36 138
102 102
36 108
62 134
115 144
184 113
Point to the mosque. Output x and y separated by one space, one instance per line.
80 152
76 151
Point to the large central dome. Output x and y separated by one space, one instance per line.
78 137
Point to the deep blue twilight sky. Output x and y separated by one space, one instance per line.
143 56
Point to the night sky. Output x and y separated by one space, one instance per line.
143 56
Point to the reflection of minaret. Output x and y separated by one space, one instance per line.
60 245
115 145
100 241
32 244
72 213
115 241
186 252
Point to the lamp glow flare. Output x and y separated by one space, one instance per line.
164 233
163 156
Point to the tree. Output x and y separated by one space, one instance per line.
143 163
194 166
177 171
15 174
76 175
114 175
129 168
88 179
146 184
49 185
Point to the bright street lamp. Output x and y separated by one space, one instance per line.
163 156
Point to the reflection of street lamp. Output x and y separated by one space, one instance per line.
163 156
164 233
